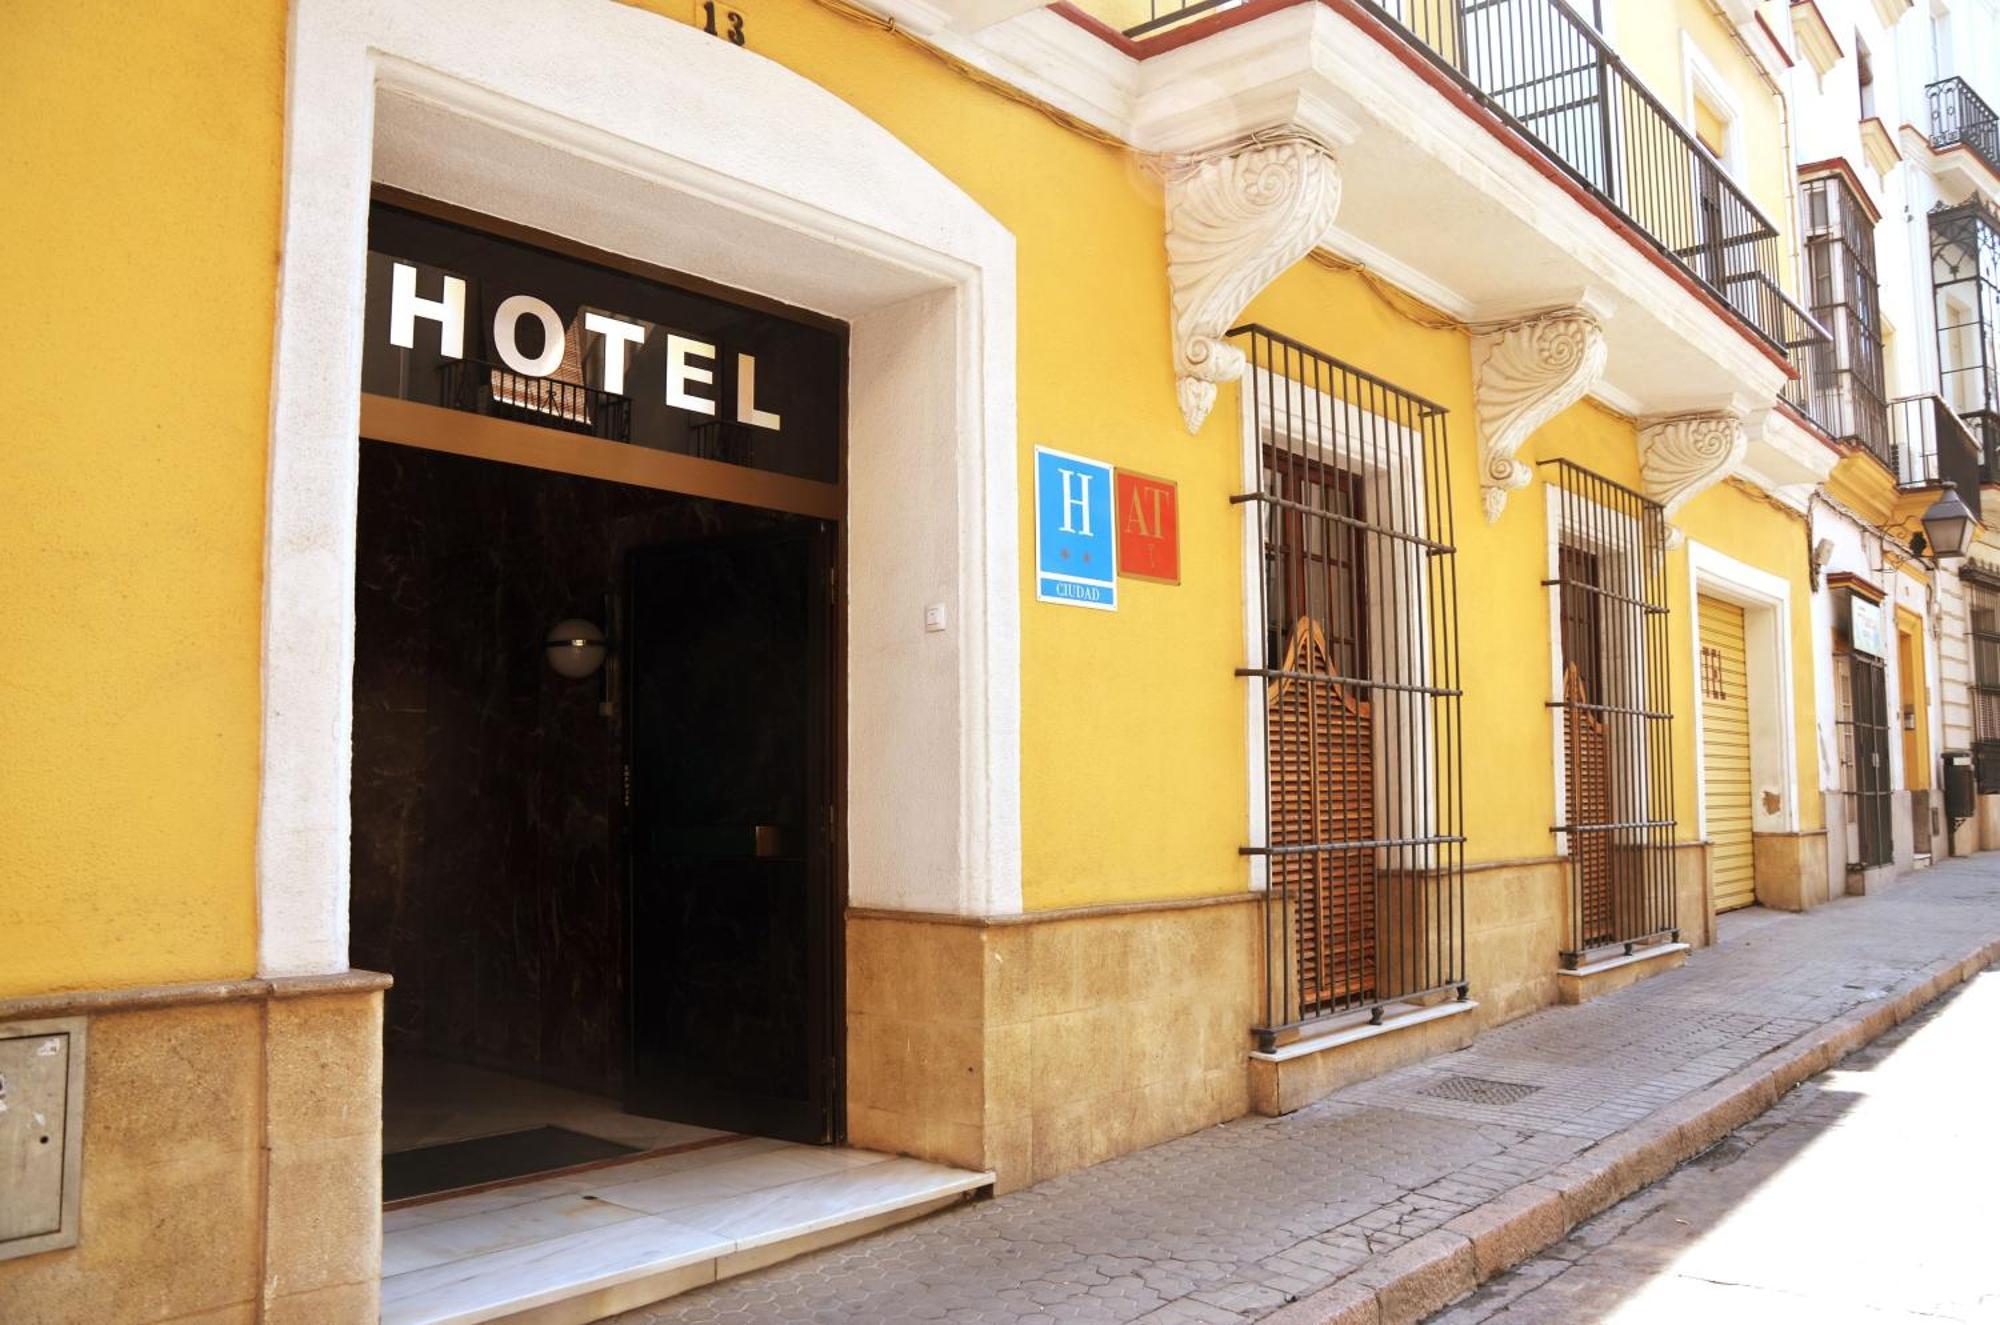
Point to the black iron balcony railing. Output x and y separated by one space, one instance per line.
1933 448
485 388
1546 72
1960 117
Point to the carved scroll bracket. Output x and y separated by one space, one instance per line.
1684 455
1235 220
1524 374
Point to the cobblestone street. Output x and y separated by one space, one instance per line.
1233 1223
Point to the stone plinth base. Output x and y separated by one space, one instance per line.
232 1156
1293 1076
1790 869
1602 977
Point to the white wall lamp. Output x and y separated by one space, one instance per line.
578 649
575 648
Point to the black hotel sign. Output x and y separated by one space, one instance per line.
473 321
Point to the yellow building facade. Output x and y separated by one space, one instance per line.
1410 744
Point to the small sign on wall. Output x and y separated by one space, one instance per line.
1076 557
1866 627
1149 528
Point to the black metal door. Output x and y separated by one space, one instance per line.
1871 794
732 931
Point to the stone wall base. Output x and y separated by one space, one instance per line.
1986 823
1037 1046
1791 869
232 1165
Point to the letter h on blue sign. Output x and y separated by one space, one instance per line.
1075 540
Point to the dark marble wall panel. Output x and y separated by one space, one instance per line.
487 861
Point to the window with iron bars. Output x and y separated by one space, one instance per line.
1360 843
1982 603
1614 713
1847 395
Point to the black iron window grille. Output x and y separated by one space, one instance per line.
1861 725
1848 398
1614 713
1960 117
1982 609
1933 448
1360 847
1546 71
1965 285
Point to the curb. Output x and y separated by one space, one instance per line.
1429 1273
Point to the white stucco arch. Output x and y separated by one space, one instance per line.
640 135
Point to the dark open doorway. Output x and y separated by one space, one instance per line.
649 972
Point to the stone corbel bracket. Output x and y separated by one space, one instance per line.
1524 374
1684 455
1236 219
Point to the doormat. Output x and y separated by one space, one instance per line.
487 1159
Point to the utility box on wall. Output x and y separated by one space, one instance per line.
41 1134
1959 802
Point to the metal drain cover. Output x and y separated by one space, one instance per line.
1479 1090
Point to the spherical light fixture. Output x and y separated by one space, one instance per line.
1948 526
575 648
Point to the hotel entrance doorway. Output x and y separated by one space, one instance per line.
595 834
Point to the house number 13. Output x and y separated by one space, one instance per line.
732 22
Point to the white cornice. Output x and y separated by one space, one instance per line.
1400 274
1958 173
1039 52
1309 68
1785 459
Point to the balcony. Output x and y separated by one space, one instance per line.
1932 448
1960 118
1840 382
1547 74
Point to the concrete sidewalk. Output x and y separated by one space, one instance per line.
1393 1197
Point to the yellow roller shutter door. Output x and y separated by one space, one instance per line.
1725 754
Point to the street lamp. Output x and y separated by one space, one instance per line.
1947 528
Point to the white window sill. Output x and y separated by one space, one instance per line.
1626 959
1391 1022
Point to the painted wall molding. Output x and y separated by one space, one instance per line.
1236 219
1684 455
1524 374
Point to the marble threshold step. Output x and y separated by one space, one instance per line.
581 1246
